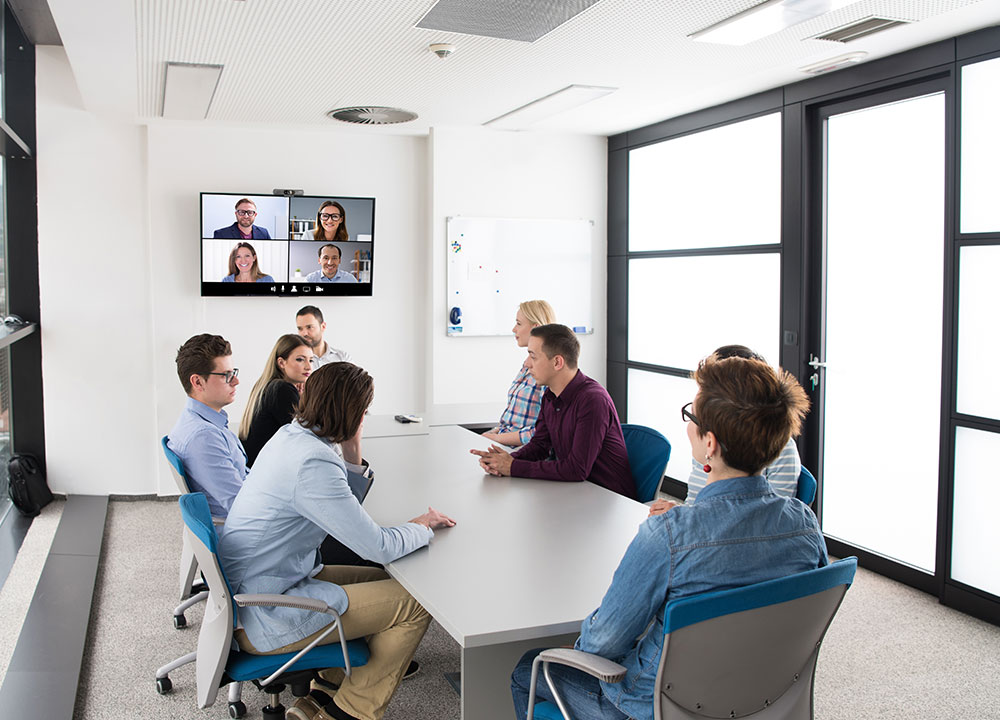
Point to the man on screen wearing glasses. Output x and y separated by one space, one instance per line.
214 460
243 228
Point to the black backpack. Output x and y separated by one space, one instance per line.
27 487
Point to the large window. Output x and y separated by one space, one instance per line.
848 228
703 263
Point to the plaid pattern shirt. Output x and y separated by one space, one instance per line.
524 400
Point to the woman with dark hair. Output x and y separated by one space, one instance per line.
243 265
275 395
738 532
296 494
331 223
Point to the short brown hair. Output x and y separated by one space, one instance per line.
751 408
319 253
559 340
335 399
243 201
197 357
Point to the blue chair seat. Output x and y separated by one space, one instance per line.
244 666
547 711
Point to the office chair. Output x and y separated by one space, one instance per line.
648 453
218 664
191 593
730 653
806 490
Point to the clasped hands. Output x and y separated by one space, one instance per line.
495 461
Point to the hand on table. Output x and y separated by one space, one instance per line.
661 506
492 435
433 519
495 461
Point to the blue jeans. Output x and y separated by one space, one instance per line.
581 692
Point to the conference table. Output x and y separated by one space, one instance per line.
526 562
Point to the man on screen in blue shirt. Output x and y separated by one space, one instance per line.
243 228
214 460
329 262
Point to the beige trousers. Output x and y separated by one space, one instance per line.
383 613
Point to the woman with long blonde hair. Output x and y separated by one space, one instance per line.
524 399
275 395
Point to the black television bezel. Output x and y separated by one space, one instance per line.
287 288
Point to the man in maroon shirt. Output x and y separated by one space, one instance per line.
578 423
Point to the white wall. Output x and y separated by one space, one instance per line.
489 173
119 261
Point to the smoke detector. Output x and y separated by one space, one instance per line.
442 50
372 115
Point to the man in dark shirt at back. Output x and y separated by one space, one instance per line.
578 422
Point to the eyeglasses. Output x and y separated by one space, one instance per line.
246 213
329 216
687 415
228 376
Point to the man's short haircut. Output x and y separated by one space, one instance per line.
241 201
311 310
537 312
335 399
740 351
559 340
752 408
319 253
197 357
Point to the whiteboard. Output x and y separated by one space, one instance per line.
494 264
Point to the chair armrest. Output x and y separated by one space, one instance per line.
600 667
290 601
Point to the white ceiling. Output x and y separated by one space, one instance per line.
287 62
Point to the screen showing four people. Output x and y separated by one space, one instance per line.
277 245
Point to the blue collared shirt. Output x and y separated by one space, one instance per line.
738 532
296 495
214 459
341 276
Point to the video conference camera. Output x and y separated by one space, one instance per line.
287 192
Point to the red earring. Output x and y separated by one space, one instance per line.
706 467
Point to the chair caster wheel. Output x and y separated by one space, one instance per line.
273 713
180 621
237 709
163 685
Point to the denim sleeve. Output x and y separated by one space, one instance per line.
638 591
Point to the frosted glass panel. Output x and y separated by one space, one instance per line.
980 211
975 534
681 308
882 385
655 400
978 336
714 188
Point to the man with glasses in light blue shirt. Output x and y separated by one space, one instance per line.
329 262
214 460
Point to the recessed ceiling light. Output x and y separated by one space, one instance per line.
559 101
834 63
766 19
188 89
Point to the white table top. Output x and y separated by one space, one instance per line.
526 559
377 426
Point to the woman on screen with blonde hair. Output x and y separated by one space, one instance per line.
524 399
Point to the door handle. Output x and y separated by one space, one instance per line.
815 363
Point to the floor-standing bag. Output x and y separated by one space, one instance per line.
27 487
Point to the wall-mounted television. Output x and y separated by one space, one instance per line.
256 244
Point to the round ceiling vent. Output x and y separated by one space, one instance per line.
372 115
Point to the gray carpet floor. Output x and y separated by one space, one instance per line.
892 652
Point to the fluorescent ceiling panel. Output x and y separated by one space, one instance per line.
188 89
766 19
559 101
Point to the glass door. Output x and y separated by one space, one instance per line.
877 371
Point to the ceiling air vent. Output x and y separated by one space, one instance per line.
860 28
372 115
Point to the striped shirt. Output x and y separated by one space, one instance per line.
524 400
782 474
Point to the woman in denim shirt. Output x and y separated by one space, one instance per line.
738 532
